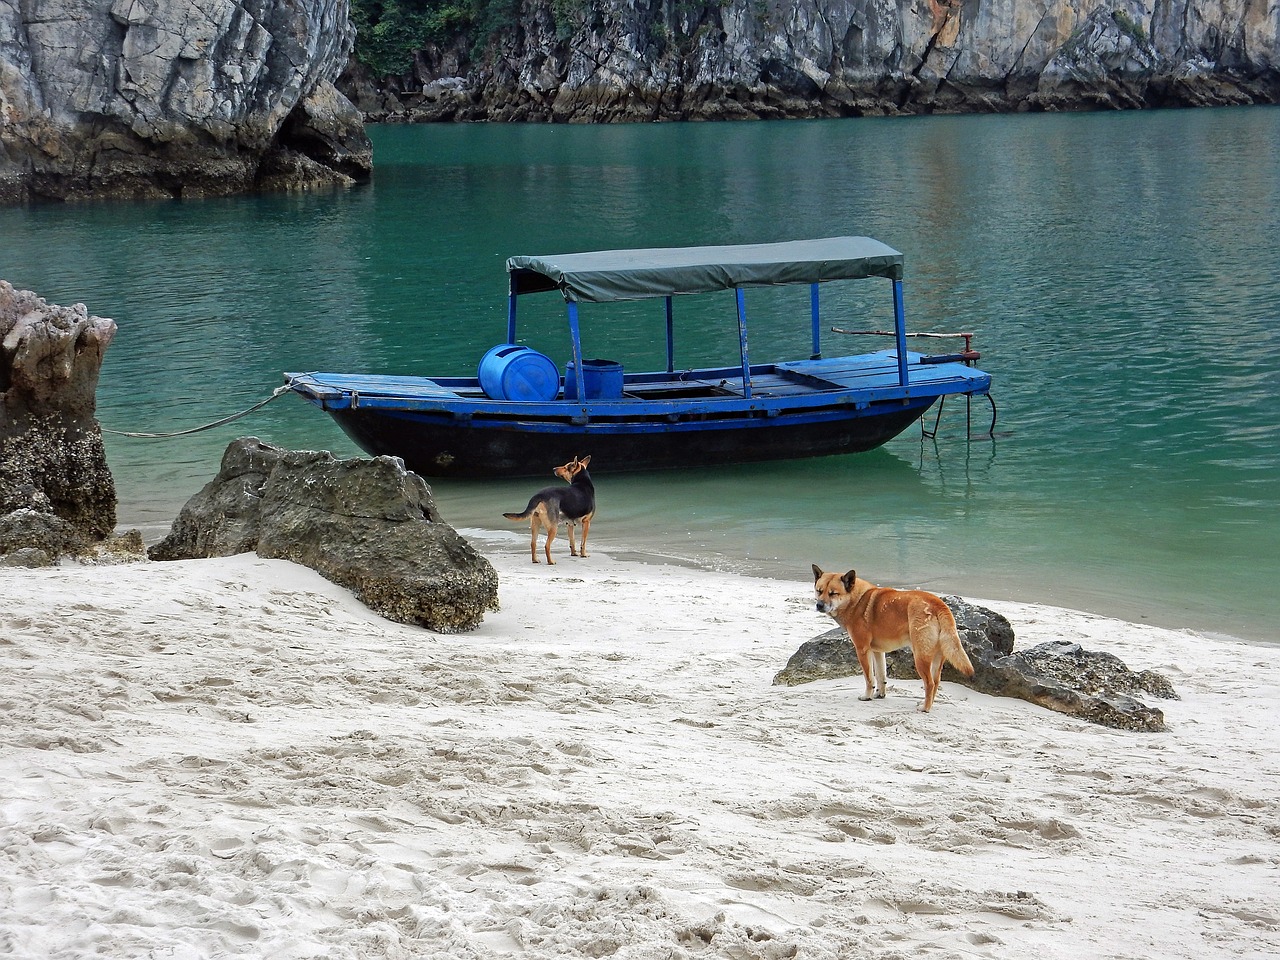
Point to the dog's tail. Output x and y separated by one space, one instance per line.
529 508
952 648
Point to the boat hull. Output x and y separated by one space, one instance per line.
437 446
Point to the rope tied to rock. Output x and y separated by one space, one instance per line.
278 391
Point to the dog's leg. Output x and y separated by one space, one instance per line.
533 538
930 670
551 535
573 552
938 663
882 673
866 660
582 547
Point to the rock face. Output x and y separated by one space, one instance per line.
368 525
33 538
56 491
1093 686
632 60
168 98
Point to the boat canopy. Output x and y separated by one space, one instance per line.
610 275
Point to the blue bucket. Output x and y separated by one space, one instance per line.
601 379
510 371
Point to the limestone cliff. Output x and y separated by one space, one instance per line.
163 98
587 60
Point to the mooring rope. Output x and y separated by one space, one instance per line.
208 426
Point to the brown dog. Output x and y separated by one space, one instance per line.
880 619
573 504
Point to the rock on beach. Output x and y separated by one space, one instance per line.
367 524
1094 685
57 495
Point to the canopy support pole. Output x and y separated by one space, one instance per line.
511 312
817 330
742 342
900 331
576 336
671 339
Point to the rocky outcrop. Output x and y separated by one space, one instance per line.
1088 684
368 525
36 538
632 60
57 495
174 98
986 635
1063 677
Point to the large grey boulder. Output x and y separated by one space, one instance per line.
56 490
167 98
368 525
1089 684
1063 677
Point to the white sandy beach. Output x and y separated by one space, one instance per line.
233 758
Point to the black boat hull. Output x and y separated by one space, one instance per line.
451 447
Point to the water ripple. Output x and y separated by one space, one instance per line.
1120 272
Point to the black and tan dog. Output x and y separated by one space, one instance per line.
880 619
573 504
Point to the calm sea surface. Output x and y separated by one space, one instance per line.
1121 272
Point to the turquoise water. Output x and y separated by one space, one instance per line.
1121 273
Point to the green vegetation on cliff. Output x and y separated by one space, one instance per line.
390 32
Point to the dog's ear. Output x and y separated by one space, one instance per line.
848 579
585 460
817 572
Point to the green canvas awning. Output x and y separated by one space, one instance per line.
665 271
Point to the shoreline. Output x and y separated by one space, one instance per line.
999 590
234 757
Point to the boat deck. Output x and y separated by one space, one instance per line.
872 375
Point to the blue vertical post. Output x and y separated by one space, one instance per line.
671 339
576 337
900 329
511 312
742 342
817 334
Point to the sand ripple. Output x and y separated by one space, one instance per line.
232 758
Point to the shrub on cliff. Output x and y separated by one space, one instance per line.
390 32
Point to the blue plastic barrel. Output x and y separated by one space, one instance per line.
602 380
511 371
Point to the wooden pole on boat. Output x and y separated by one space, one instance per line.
742 341
900 331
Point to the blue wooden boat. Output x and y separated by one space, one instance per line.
518 418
